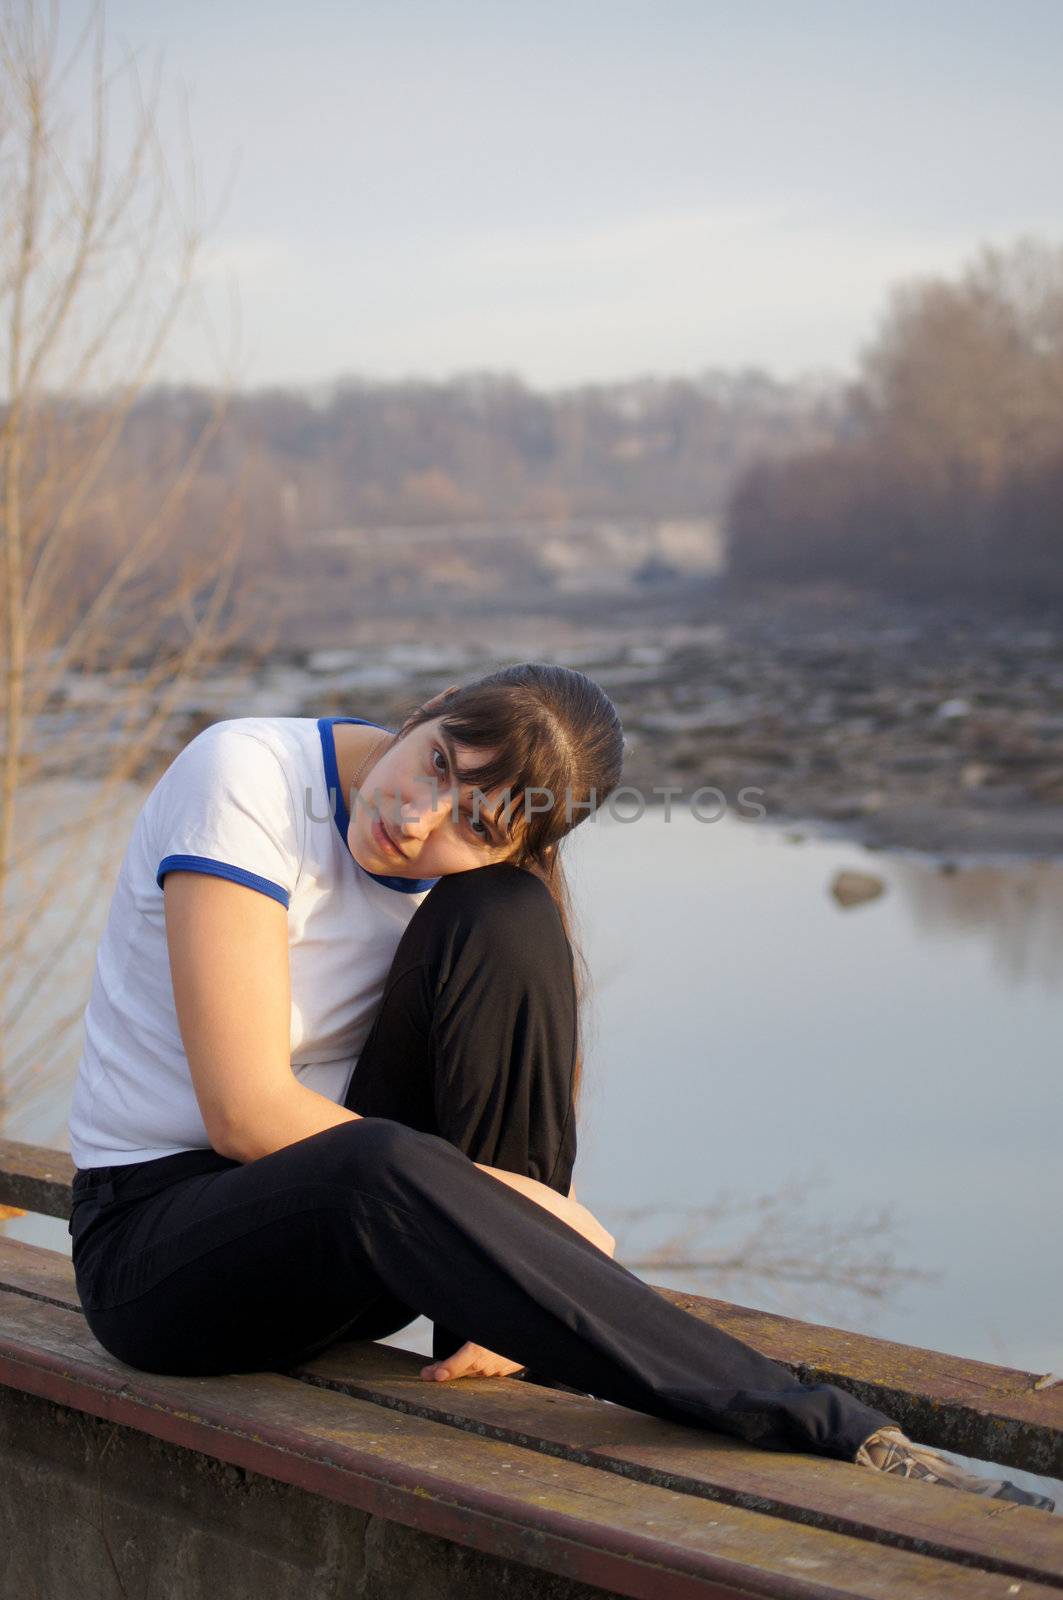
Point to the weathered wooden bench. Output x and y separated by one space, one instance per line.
349 1476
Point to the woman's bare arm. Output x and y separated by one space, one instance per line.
228 950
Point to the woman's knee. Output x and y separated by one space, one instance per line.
508 914
372 1148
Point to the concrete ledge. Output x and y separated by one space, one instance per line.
95 1509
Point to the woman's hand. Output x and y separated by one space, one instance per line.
471 1361
585 1222
564 1206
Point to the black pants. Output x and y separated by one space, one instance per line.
195 1263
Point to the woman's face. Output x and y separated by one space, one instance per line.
412 819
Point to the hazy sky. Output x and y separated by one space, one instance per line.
577 191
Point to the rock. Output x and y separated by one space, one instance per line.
722 717
1048 787
974 774
919 760
855 888
841 808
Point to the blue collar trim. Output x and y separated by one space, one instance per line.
340 813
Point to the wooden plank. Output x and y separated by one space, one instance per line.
35 1179
42 1274
810 1489
597 1527
977 1409
820 1492
972 1407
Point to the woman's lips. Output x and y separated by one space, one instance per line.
385 841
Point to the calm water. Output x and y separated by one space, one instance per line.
903 1053
749 1038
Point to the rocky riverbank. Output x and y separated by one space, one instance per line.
907 725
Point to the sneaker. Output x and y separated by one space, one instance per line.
889 1450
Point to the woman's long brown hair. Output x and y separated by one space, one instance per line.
555 736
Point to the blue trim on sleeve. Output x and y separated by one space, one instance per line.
342 816
222 869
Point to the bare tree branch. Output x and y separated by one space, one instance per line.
98 259
773 1242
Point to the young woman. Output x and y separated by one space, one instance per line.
331 1067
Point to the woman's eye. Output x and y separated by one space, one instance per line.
441 767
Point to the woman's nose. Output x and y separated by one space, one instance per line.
417 818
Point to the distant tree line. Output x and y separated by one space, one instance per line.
946 476
480 447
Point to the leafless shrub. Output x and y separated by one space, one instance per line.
105 616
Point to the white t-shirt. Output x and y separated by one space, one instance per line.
256 800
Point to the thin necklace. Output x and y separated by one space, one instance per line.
372 752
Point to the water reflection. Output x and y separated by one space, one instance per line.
1016 911
747 1031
